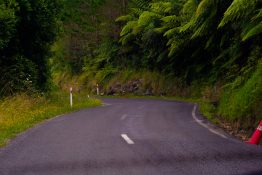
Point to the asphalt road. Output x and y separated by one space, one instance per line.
130 137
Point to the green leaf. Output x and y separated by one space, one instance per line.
237 10
125 18
128 28
253 32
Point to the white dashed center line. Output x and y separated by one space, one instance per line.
123 117
127 139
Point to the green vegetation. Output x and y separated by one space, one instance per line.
244 100
205 49
22 111
201 49
28 28
208 110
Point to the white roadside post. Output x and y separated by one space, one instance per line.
97 89
71 97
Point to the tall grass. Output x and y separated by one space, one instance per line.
245 100
22 111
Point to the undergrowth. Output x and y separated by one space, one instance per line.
20 112
244 102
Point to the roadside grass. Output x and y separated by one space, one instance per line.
209 111
22 111
242 102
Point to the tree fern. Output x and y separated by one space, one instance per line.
125 39
141 4
253 32
254 27
173 20
128 28
237 10
206 25
200 18
136 11
146 18
189 8
162 7
125 18
171 32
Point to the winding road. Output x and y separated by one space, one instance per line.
130 137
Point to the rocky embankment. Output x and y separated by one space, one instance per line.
135 87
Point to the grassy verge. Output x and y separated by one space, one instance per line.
21 112
208 110
243 101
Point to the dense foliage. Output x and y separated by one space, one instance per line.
27 30
212 47
194 39
88 25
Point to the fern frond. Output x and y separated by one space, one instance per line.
161 7
141 4
186 27
254 27
202 18
203 28
124 18
146 18
237 10
125 39
258 16
136 11
137 29
160 29
204 7
189 8
170 19
210 41
174 45
128 28
253 32
171 32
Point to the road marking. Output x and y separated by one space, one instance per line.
200 122
123 117
106 104
127 139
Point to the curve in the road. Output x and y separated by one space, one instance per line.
130 137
